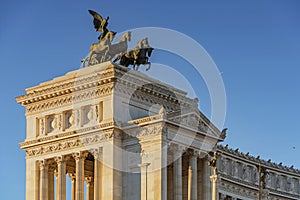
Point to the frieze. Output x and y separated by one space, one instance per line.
71 99
144 131
67 144
237 190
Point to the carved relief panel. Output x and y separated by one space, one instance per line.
69 120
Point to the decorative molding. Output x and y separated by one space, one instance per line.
73 85
256 160
70 99
65 134
72 143
241 169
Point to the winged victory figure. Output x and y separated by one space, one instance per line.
100 24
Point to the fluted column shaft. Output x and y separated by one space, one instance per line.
177 181
97 174
79 159
192 176
89 188
43 180
73 181
61 178
50 184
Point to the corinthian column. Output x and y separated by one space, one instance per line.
192 177
89 188
177 171
97 173
73 180
43 180
79 158
51 183
61 178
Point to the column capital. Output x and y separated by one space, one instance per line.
96 153
89 180
80 155
60 159
43 164
72 176
176 149
193 154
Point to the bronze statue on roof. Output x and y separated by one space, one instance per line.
104 50
100 24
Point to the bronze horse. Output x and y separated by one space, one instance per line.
137 56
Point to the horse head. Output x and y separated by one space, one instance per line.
149 51
126 36
110 35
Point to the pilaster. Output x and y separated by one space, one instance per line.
112 169
154 156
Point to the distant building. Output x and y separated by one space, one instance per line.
118 134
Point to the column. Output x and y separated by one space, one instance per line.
170 182
51 183
79 159
61 178
192 177
73 180
56 182
214 179
97 173
177 172
89 188
206 186
43 180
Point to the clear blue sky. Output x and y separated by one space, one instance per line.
255 44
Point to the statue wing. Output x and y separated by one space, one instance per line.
97 19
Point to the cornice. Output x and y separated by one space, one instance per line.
76 87
70 98
73 84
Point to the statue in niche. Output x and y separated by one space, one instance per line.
245 173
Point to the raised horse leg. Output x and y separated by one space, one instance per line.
149 66
136 67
